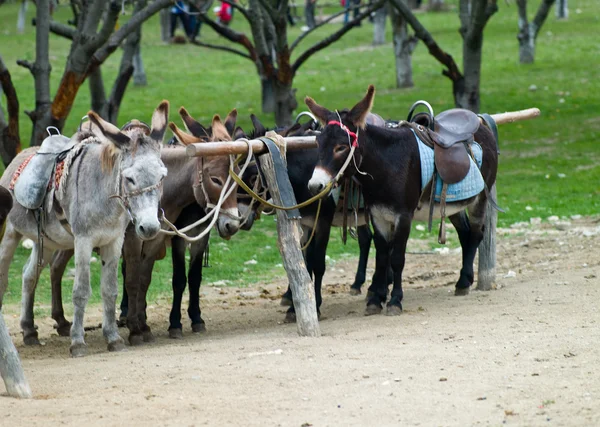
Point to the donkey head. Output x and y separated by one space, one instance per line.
341 130
212 171
136 148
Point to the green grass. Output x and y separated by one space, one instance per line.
551 164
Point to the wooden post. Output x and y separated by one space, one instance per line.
10 365
486 275
303 290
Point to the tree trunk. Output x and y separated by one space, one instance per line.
22 17
165 25
285 103
526 35
97 93
267 95
403 49
467 95
379 26
41 73
562 9
10 142
139 73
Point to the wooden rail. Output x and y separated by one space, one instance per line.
302 142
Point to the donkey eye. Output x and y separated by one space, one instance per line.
216 180
130 180
340 149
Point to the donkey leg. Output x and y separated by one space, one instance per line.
179 281
7 251
318 266
145 279
110 255
31 275
57 270
124 306
195 280
470 234
81 294
365 236
378 288
397 260
132 250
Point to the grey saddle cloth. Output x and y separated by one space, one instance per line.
32 185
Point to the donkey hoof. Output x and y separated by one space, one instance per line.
136 339
373 309
117 345
369 295
148 336
290 317
63 329
78 350
459 292
122 322
393 310
355 291
198 327
175 334
285 302
31 339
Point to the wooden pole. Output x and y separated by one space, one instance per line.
303 290
240 147
515 116
10 365
486 275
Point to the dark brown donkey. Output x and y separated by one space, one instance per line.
390 175
5 207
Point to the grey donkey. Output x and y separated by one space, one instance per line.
114 180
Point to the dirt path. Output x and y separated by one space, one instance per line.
525 354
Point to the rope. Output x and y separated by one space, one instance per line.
225 193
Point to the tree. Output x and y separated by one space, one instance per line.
90 48
10 142
474 15
562 9
528 31
270 52
404 46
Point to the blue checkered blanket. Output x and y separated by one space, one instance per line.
472 185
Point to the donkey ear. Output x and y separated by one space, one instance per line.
291 130
182 137
259 128
110 131
194 127
239 133
160 118
230 121
320 112
219 132
358 114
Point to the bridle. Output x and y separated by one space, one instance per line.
200 183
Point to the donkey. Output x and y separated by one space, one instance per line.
390 175
93 216
5 207
188 189
300 165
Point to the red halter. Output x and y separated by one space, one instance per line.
353 136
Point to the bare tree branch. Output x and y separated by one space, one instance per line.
59 29
320 24
107 27
481 12
335 36
541 15
25 64
452 71
97 92
219 47
231 35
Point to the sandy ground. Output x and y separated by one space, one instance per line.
526 353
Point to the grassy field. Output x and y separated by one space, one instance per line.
550 166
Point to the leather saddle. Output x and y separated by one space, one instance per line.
453 132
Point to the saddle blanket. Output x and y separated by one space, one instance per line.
31 180
470 186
